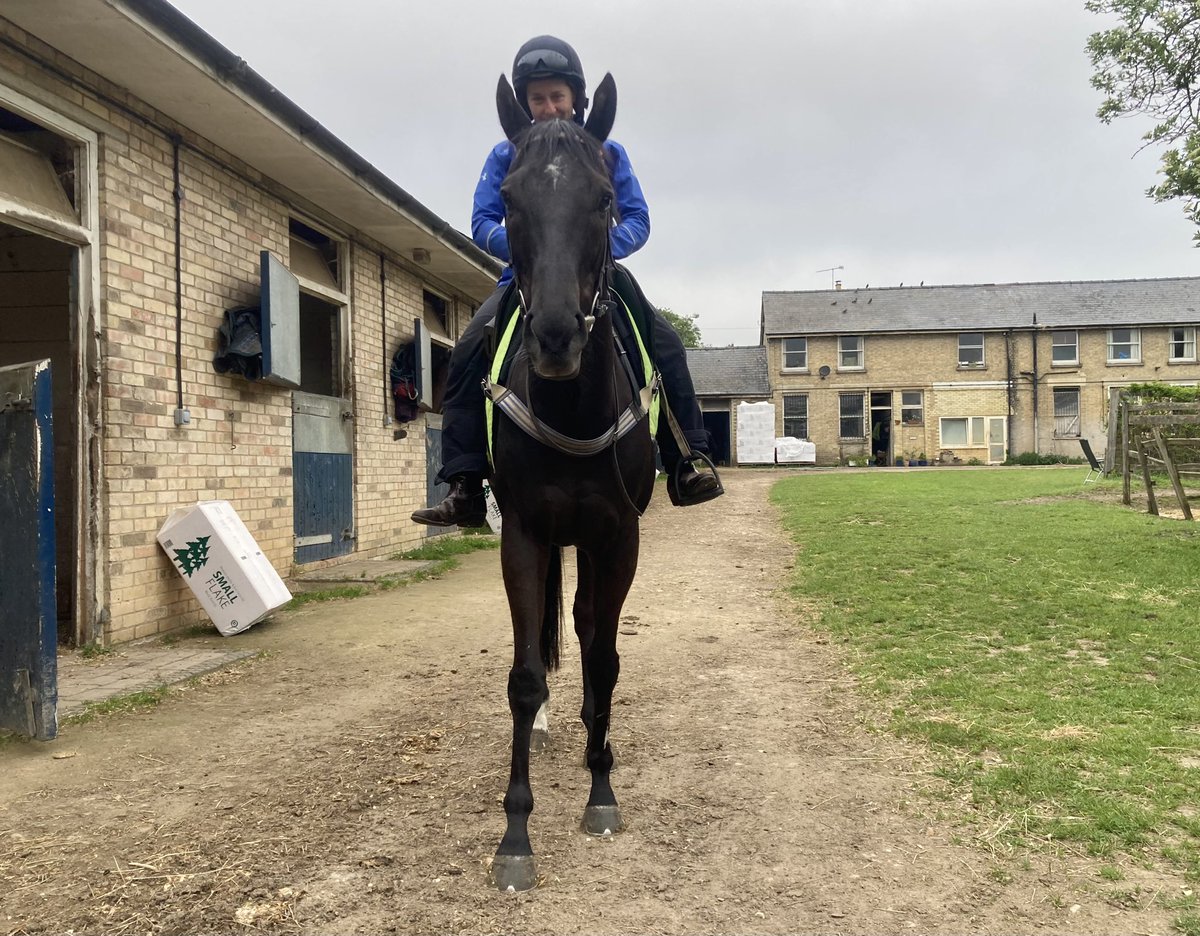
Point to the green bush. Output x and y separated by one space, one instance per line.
1036 458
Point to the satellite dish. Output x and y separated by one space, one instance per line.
824 371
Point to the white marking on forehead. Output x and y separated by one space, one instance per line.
555 170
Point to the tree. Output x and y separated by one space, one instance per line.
685 325
1149 65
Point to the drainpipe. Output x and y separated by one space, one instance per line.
1010 379
1036 434
182 416
387 374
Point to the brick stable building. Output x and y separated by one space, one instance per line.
147 180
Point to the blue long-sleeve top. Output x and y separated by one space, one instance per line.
629 234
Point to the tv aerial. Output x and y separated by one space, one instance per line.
830 271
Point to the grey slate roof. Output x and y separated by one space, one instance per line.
1099 303
731 372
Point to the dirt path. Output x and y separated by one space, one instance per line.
350 782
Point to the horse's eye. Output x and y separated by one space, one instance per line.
605 202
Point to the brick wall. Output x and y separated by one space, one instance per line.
929 363
238 445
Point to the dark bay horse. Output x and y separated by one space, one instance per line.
568 477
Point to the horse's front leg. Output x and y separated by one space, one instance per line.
612 575
524 563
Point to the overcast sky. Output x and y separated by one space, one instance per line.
944 141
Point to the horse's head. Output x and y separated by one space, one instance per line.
558 201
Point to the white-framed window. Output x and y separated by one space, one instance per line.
962 432
795 415
1066 412
912 407
852 419
1182 344
1124 346
795 354
1064 347
970 349
851 352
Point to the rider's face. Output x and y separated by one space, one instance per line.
549 98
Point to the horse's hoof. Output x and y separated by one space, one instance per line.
539 740
602 820
513 873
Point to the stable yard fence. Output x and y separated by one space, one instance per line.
1159 437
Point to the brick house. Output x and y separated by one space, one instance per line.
108 108
723 378
970 372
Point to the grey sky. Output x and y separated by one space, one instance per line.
944 141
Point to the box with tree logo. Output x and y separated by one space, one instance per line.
222 564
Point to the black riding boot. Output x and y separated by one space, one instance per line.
464 506
694 487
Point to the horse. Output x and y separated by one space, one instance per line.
573 459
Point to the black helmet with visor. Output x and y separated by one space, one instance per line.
548 57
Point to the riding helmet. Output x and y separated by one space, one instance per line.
548 57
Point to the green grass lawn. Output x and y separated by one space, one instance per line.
1046 647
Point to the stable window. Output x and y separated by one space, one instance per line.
912 408
1066 412
970 349
1124 345
1064 347
1182 345
850 352
962 431
795 354
436 313
313 256
795 415
852 422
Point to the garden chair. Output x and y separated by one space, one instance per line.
1096 470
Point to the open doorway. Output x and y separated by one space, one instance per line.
881 427
36 287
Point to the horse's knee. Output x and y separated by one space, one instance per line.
526 691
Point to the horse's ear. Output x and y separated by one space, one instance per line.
604 109
512 115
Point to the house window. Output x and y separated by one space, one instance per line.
970 349
962 432
795 415
795 354
1124 346
1183 344
852 416
912 408
1066 412
1064 347
850 352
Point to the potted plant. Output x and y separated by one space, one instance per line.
921 460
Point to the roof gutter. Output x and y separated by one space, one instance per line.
234 70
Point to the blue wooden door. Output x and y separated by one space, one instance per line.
28 620
322 476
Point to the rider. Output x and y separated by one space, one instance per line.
549 83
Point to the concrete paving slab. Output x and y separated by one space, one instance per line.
360 571
133 669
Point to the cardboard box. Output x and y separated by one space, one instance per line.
222 564
495 521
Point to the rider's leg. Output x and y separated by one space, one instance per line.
692 487
464 428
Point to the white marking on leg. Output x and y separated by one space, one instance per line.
541 721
